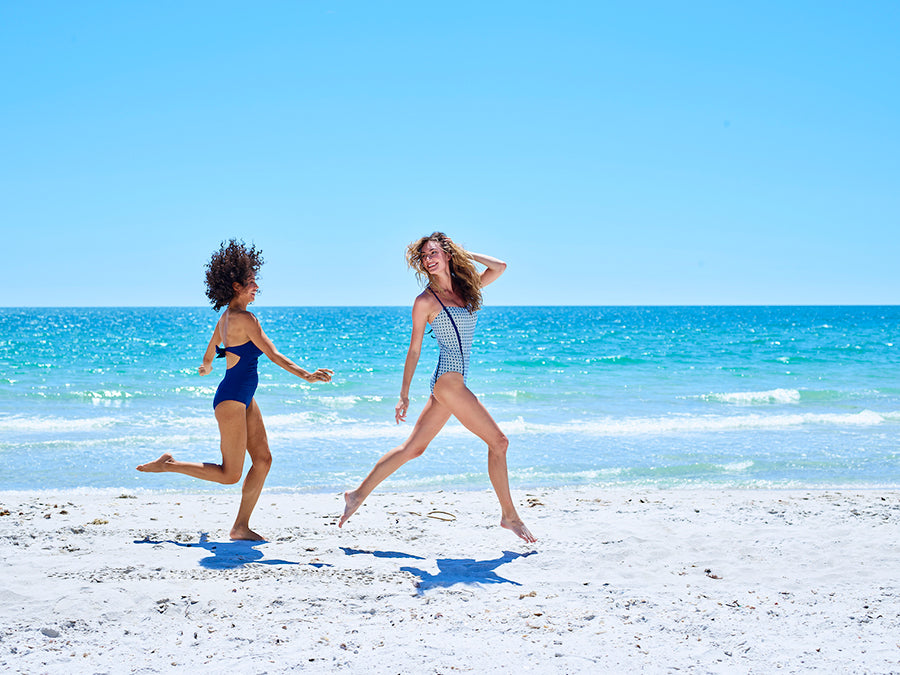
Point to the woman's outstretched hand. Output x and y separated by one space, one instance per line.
205 369
321 375
401 408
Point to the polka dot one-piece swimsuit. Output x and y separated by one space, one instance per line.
454 328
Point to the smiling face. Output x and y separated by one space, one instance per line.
246 293
434 258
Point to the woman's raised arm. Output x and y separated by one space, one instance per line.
495 267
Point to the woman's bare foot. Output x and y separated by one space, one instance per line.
244 533
158 465
352 503
518 527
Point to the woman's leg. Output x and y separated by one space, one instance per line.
258 448
451 391
432 419
231 416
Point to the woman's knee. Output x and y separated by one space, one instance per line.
231 476
412 450
262 461
499 445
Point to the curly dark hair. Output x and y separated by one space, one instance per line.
234 262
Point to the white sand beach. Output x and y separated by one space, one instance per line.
657 581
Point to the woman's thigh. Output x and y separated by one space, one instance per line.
257 440
452 393
430 421
232 419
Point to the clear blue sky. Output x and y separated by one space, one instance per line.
611 152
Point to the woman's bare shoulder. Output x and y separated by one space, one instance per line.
426 306
242 325
425 300
243 318
425 296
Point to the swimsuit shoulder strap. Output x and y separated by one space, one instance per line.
436 297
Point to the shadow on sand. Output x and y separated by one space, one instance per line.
380 554
452 571
227 555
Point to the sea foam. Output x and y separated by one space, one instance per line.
755 397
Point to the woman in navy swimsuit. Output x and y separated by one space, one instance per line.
231 282
449 303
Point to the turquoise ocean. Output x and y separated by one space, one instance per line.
606 396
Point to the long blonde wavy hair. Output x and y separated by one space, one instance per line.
465 278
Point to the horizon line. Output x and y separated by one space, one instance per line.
611 305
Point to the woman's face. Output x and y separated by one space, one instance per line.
434 258
248 290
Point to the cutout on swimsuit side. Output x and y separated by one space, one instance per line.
221 353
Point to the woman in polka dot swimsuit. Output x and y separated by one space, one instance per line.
449 303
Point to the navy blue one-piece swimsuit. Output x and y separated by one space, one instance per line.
239 383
